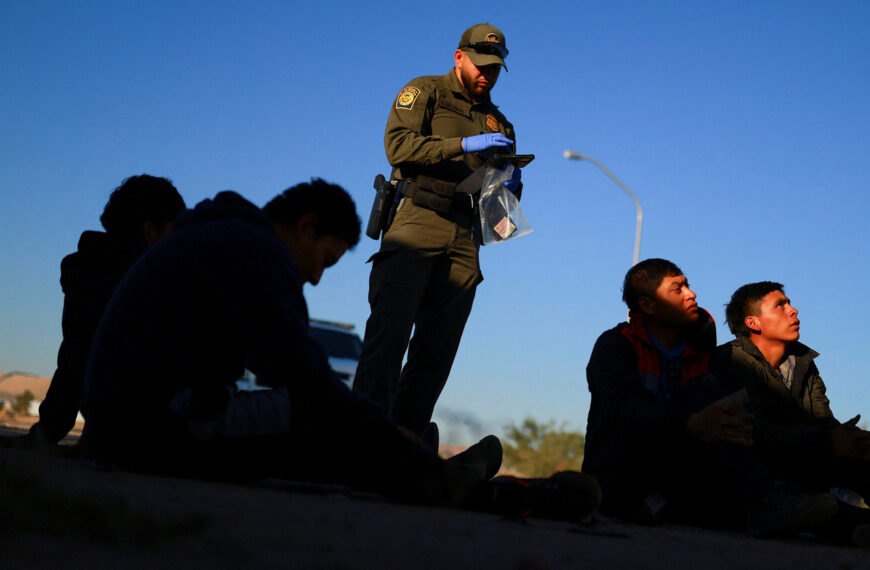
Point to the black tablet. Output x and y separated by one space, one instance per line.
474 181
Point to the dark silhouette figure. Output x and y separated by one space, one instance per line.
139 213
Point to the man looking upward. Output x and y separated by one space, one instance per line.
795 430
799 431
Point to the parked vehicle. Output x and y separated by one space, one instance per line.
342 346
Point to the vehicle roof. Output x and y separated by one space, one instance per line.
331 325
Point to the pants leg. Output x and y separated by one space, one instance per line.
440 322
396 286
324 434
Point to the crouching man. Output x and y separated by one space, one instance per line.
666 440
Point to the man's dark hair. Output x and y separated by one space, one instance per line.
140 199
335 210
747 301
643 279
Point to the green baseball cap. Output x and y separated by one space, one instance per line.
484 44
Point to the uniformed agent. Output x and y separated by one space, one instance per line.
440 129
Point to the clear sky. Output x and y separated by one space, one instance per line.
744 128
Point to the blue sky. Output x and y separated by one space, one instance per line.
743 127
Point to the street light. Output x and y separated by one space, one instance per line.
571 155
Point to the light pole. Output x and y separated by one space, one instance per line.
571 155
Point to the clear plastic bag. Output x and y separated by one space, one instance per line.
501 218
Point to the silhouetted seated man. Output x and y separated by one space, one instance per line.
139 213
221 295
660 438
795 430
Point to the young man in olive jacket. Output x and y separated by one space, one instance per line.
795 430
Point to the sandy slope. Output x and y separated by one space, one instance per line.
285 525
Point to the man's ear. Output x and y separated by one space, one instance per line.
647 305
306 225
153 232
752 323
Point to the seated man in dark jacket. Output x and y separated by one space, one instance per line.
660 437
139 213
795 430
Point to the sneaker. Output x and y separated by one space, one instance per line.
567 495
456 486
790 514
485 455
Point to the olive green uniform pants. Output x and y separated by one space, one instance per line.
425 277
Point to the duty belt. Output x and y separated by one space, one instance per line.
435 194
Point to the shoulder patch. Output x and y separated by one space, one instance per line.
492 123
406 98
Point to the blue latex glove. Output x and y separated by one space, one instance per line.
478 143
514 182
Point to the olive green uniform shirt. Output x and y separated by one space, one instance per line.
427 122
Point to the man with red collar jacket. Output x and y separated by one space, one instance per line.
665 439
631 384
637 375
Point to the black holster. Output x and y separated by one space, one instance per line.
383 208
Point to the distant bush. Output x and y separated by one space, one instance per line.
22 402
538 449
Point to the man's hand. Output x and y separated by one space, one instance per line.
848 441
514 182
478 143
410 435
721 422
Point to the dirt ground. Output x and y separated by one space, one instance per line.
87 517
